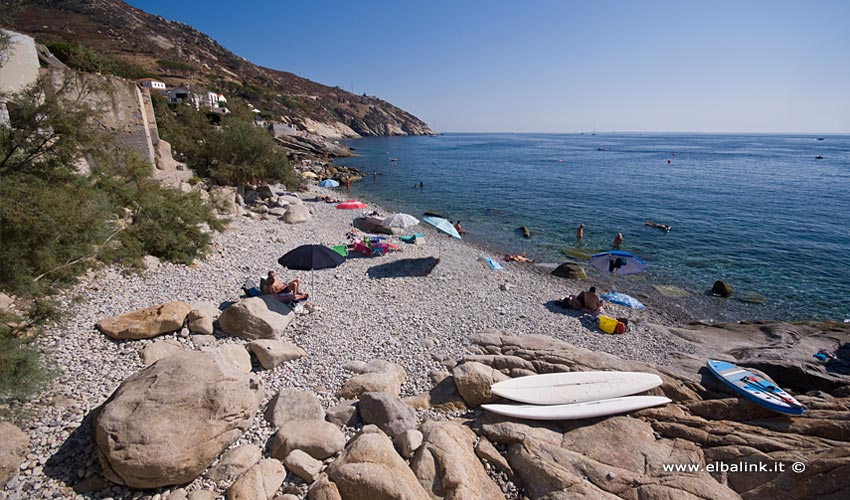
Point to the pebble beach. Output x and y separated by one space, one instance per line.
418 322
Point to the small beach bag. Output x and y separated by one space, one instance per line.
607 324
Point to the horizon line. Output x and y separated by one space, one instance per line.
818 134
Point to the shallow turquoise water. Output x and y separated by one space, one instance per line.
759 212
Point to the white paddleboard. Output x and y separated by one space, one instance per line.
574 387
577 411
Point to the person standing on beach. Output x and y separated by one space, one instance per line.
580 232
618 240
347 184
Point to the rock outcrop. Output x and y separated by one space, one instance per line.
256 318
13 451
167 423
703 426
146 323
260 482
270 352
570 270
376 375
446 464
318 438
370 469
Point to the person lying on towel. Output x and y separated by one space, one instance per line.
285 292
587 301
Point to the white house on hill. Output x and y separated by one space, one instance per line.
151 83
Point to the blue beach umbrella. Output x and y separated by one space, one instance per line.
617 262
329 183
442 225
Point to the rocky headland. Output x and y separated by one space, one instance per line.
170 385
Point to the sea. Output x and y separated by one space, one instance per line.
768 214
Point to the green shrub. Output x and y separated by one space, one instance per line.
20 368
167 224
84 59
232 151
49 231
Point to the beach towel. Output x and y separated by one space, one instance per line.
490 262
623 299
411 238
251 289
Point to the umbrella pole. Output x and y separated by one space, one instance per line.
613 280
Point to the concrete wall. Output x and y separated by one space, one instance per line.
119 104
18 68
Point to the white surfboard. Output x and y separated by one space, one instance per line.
574 387
577 411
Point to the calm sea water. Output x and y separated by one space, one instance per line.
759 212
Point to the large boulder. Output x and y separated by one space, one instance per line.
318 438
303 465
474 380
578 459
296 214
323 489
292 405
388 412
446 464
256 318
201 317
260 482
234 462
271 352
346 412
287 200
235 354
167 423
264 192
146 323
370 469
570 270
375 375
13 451
155 351
721 289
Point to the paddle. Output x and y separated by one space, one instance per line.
771 389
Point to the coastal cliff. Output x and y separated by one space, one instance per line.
129 42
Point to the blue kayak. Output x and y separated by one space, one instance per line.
755 388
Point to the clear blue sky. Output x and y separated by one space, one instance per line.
558 66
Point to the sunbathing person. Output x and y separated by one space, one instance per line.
459 228
286 292
519 258
587 301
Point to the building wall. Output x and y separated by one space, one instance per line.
20 67
119 104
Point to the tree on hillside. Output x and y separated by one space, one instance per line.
56 221
233 152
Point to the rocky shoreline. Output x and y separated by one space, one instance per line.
423 392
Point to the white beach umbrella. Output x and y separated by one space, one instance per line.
402 221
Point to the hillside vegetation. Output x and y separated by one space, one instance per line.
111 36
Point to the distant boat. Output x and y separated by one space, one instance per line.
820 138
603 149
818 157
393 159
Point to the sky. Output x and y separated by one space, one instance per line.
743 66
